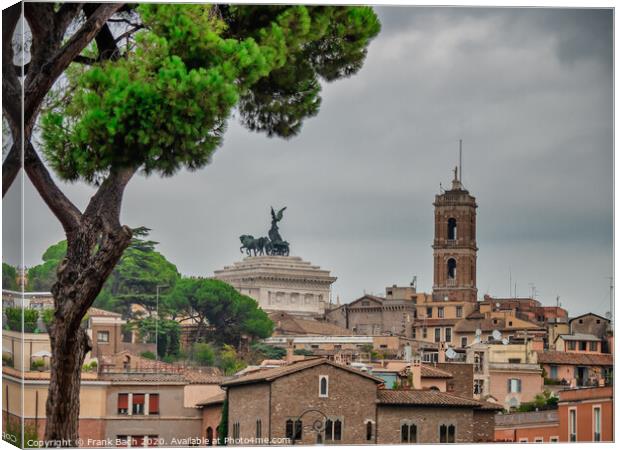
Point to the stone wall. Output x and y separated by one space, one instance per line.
351 398
427 419
462 381
247 404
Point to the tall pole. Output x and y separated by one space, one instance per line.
157 288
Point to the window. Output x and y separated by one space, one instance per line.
523 440
369 430
597 423
459 311
464 341
514 360
429 312
572 425
451 229
571 345
413 333
424 333
323 386
259 429
103 336
293 429
333 430
408 433
123 403
237 430
137 404
478 387
437 334
582 346
538 439
514 385
593 346
448 333
554 372
122 440
209 436
440 313
153 404
452 269
447 433
554 439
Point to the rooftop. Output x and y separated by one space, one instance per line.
578 337
575 358
269 375
429 398
527 418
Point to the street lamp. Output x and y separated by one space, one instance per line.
157 288
318 426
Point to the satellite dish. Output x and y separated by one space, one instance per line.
497 305
496 335
505 341
450 353
477 340
608 315
478 332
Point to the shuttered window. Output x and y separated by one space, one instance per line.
123 403
154 404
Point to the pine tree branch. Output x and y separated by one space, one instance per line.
65 211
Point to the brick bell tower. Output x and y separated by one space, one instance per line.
454 247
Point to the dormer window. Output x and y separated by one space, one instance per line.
323 386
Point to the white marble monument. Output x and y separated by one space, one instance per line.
281 283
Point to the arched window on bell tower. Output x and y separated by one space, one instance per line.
451 229
452 269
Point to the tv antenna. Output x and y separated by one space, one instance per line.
450 353
496 335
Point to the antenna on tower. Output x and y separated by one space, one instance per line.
461 160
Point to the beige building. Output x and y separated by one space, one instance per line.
281 283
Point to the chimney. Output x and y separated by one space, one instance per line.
416 372
441 355
290 351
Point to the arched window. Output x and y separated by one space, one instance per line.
434 388
369 431
337 430
447 433
452 229
452 268
408 433
209 436
323 386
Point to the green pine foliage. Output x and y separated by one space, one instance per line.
9 277
166 104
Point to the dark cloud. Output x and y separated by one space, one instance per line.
528 90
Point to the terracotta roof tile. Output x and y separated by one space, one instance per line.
214 400
434 372
429 398
272 374
574 358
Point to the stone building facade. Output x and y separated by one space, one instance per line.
281 283
454 246
318 401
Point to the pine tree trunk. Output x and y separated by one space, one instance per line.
69 347
93 251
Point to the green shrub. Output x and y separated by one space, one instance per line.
48 317
37 364
7 359
148 354
14 319
203 354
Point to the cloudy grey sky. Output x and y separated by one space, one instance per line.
528 90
